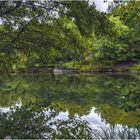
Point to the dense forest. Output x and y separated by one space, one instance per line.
69 34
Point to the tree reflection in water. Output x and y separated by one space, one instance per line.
23 122
92 106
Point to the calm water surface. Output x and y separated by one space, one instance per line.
70 106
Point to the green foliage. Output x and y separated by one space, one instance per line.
58 33
130 15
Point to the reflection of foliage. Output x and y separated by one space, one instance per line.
22 123
27 123
75 93
131 99
131 96
73 129
81 91
115 115
116 133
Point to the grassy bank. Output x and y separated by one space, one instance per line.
118 67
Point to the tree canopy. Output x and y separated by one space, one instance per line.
42 33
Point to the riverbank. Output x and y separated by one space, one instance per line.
119 67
